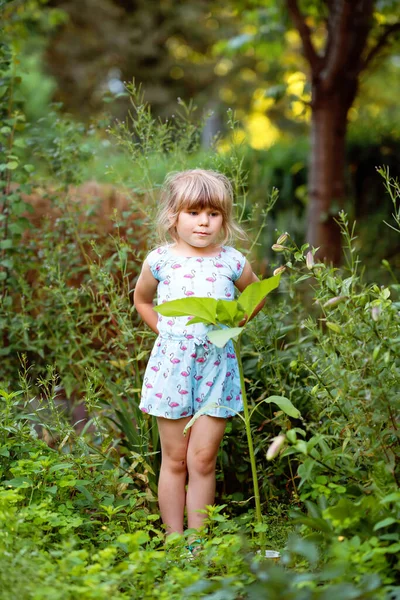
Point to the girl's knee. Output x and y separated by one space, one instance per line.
175 464
202 462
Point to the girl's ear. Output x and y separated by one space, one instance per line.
171 219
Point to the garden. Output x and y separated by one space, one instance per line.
308 500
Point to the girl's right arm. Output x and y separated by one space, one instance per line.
145 291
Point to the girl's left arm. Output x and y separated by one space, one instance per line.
247 277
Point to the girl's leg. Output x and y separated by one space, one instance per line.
205 437
173 473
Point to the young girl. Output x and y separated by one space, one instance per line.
186 372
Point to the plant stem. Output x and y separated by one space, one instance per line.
249 439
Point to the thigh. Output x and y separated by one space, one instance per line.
173 443
205 436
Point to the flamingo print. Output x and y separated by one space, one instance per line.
227 293
209 383
198 377
170 322
201 359
173 360
172 404
181 391
176 266
186 373
218 265
212 278
184 413
156 367
188 292
159 395
147 383
182 346
200 399
229 398
190 275
167 280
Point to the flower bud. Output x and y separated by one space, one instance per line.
332 302
279 270
375 313
278 248
276 446
309 260
282 238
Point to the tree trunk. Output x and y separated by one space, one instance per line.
334 75
327 172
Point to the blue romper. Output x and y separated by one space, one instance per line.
185 371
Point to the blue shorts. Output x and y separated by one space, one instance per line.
186 374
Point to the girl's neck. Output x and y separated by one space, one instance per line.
184 250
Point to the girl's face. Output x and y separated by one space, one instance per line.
198 228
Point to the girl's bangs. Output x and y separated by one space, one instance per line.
200 195
202 202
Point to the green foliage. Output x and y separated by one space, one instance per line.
225 312
321 364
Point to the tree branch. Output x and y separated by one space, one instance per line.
339 27
381 42
305 34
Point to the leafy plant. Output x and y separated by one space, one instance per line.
229 314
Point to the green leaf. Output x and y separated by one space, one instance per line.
13 164
6 244
256 292
198 320
207 406
204 308
393 497
19 482
285 405
60 466
384 523
20 143
7 263
229 312
334 327
220 337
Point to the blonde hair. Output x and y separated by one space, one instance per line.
197 189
